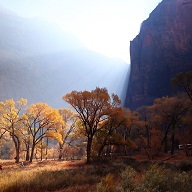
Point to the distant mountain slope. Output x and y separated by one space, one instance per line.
40 62
162 49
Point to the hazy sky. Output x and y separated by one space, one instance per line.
106 26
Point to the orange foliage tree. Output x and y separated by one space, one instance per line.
93 109
70 118
168 113
10 120
42 121
109 135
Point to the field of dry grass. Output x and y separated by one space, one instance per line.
135 173
54 165
47 175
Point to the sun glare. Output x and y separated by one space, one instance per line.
107 39
107 35
102 26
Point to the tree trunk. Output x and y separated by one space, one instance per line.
148 135
172 141
46 152
100 150
60 151
165 145
148 154
27 153
17 156
102 147
89 143
165 139
32 152
17 147
41 131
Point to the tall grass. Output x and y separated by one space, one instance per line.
109 177
44 180
83 178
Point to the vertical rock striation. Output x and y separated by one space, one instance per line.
161 50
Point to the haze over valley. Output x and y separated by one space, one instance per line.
48 49
40 62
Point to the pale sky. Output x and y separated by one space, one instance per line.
105 26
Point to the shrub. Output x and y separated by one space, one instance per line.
157 179
113 183
107 184
185 166
128 179
182 182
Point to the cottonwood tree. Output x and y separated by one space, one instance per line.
10 120
126 131
145 121
93 108
169 111
70 119
149 137
41 121
184 80
185 134
5 141
132 123
108 135
2 134
26 139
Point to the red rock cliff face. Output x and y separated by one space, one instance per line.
161 50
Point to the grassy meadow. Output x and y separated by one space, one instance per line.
121 175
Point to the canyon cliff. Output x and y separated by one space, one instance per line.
162 49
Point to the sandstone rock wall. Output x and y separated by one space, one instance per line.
161 50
